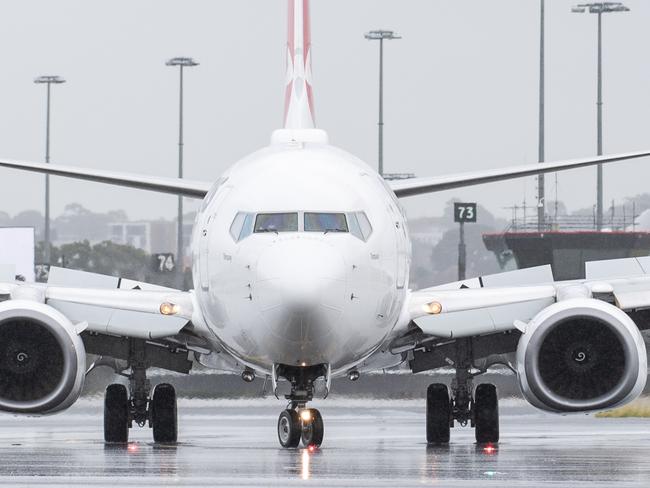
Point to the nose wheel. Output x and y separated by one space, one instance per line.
289 428
312 427
304 424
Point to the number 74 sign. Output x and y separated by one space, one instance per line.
163 262
464 212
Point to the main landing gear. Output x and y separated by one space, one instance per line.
121 410
297 422
481 409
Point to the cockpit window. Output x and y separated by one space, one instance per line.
360 225
246 223
276 222
242 226
325 222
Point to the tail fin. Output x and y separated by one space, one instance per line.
299 101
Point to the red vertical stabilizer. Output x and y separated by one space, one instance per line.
299 101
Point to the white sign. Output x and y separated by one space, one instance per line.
17 249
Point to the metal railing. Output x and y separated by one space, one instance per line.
529 223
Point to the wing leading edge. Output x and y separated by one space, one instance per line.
419 186
176 186
403 188
496 303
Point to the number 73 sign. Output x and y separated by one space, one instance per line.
464 212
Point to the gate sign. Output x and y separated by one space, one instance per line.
464 212
163 262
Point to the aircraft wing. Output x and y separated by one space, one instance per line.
109 305
402 188
418 186
143 314
508 301
176 186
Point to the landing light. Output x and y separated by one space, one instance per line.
433 308
168 308
305 415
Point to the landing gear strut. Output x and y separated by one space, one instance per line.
297 422
122 410
481 409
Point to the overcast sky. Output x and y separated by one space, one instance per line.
461 92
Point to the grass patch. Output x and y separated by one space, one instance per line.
638 408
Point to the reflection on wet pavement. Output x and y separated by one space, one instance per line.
224 442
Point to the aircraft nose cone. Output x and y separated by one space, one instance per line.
302 274
300 291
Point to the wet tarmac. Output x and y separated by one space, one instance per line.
376 443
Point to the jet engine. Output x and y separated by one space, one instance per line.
580 355
42 359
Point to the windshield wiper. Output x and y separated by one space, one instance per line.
266 230
334 230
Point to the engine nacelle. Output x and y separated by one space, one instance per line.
581 355
42 359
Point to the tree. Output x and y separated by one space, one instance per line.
79 221
111 259
30 218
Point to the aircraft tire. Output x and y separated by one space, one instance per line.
313 431
438 414
486 414
289 428
164 414
116 414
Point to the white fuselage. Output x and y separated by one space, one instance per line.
300 297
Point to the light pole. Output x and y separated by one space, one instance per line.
181 63
541 197
47 80
381 35
600 8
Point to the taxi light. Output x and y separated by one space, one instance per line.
433 308
305 415
168 308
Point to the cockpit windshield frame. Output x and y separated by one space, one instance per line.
246 223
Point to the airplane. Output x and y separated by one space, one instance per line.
301 257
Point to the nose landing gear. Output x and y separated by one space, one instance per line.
297 422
